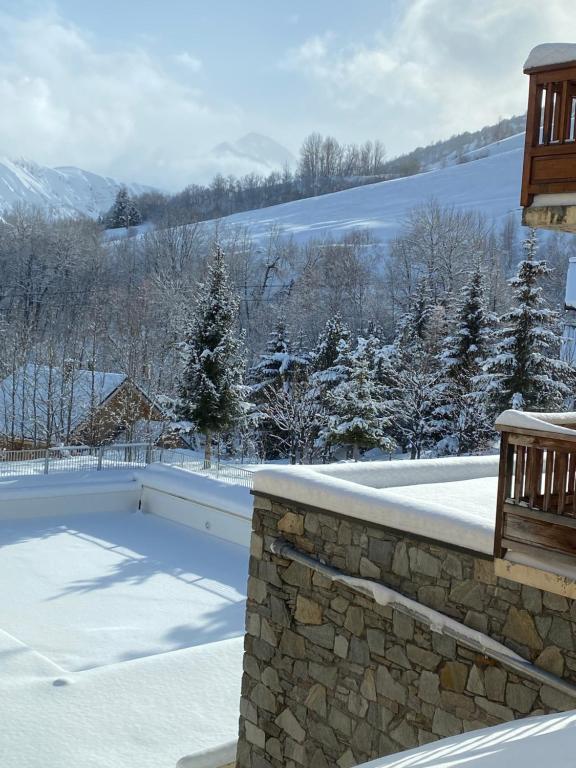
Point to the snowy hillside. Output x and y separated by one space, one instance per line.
489 182
65 190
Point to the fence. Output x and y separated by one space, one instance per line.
83 458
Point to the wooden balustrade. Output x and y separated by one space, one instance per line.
550 148
536 502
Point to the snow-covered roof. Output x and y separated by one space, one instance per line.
451 500
34 391
530 743
549 54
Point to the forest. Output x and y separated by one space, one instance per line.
319 329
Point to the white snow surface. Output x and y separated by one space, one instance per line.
528 743
65 191
489 184
538 422
548 54
121 641
451 500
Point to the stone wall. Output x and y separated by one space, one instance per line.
333 679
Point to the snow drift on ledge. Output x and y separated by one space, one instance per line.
548 54
534 742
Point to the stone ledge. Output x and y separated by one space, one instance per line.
555 217
269 499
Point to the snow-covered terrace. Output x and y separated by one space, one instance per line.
121 630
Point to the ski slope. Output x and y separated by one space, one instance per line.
489 182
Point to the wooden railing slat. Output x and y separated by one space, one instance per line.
561 475
548 479
547 125
519 472
536 476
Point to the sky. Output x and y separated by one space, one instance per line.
143 89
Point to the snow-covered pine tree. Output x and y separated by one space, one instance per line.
326 350
211 391
327 372
411 376
464 424
414 325
524 370
278 365
276 372
124 212
356 416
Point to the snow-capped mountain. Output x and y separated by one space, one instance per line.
486 180
65 191
257 150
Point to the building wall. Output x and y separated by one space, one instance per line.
122 409
331 678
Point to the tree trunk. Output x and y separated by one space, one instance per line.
355 451
207 450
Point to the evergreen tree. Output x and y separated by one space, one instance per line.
328 370
464 424
411 376
211 392
326 351
524 371
278 365
414 326
278 370
124 212
356 415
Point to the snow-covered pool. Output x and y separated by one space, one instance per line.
120 641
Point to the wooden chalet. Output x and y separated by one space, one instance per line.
42 406
548 195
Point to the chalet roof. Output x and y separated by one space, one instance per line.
550 54
34 391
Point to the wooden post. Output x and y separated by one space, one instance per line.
504 490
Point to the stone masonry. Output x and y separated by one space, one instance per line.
332 679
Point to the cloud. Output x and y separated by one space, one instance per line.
442 67
124 112
187 60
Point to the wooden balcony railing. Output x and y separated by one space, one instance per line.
550 149
536 502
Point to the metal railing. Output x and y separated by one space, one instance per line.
85 458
